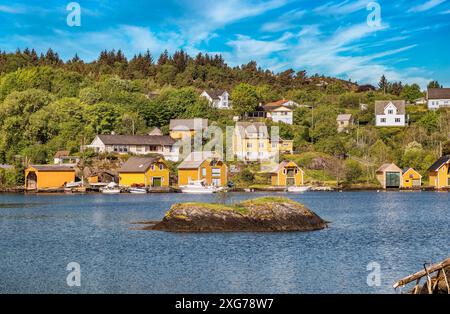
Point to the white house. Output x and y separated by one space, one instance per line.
136 144
279 113
217 98
438 97
390 113
63 157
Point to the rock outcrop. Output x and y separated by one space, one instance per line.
268 214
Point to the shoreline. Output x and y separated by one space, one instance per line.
236 190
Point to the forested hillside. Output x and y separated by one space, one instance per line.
48 105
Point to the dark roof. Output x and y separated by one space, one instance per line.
438 164
215 93
381 104
187 124
136 139
53 168
439 93
138 164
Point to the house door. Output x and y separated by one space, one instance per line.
32 181
290 181
392 179
157 182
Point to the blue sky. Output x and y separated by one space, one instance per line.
328 37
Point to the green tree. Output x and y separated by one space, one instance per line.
245 98
352 170
434 84
411 92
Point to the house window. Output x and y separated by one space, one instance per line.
216 172
390 111
203 172
161 167
249 145
397 120
383 120
261 145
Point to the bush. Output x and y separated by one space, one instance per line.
353 171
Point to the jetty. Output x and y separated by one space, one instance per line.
433 285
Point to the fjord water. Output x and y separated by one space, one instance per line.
41 234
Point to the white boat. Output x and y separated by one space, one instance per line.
199 187
137 191
111 188
298 189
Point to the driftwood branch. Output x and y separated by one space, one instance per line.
433 268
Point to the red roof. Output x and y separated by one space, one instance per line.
277 103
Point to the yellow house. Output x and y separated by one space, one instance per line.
389 176
282 146
438 173
184 128
48 176
411 179
206 166
251 142
287 173
144 171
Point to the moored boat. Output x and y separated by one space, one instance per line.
298 189
111 188
137 190
199 187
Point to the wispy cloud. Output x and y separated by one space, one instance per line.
286 21
205 16
329 54
11 9
426 6
345 7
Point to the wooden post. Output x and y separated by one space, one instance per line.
422 273
430 291
446 281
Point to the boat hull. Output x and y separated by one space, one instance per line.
298 189
110 191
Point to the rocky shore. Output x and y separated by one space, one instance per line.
267 214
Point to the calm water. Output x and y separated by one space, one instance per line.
41 234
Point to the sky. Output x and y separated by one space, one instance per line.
408 41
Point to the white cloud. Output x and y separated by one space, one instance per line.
335 56
11 10
342 8
130 39
426 6
286 21
204 17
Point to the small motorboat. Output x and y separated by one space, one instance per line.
298 189
76 186
199 187
137 190
111 188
